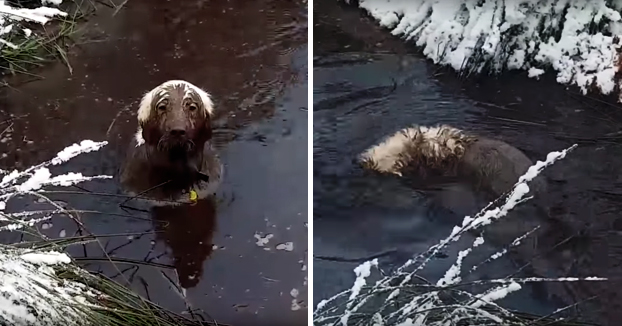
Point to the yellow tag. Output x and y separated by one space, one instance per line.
193 196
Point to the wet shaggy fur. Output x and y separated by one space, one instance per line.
420 151
172 145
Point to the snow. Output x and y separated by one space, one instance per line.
287 246
452 275
362 271
47 258
496 294
35 181
31 293
40 175
534 72
263 240
41 15
74 150
530 35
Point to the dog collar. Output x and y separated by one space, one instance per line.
193 196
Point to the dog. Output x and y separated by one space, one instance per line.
419 152
171 159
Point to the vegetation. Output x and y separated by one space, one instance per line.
40 284
46 43
405 298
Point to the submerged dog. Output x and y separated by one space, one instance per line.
418 152
171 158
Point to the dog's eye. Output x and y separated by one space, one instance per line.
192 107
162 107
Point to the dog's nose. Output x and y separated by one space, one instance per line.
178 132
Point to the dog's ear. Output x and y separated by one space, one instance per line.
146 120
208 111
145 107
205 129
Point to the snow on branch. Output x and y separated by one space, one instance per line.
33 179
406 299
31 290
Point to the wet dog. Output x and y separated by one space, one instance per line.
171 156
457 160
419 152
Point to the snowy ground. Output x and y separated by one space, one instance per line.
9 17
32 294
575 38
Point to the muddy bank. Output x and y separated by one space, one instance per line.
369 84
241 257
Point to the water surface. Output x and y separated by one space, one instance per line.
368 84
252 57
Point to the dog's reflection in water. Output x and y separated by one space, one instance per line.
187 230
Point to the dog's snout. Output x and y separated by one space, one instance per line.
178 132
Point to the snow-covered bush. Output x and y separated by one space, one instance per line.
579 39
404 298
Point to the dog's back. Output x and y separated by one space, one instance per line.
497 165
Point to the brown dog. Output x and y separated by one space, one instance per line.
420 151
171 153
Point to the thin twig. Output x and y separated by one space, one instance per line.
119 7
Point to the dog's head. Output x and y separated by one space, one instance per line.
175 118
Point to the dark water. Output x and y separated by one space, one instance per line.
252 57
368 84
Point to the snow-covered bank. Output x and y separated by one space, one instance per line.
405 298
32 293
10 18
575 38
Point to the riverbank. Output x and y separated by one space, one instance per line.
35 33
576 41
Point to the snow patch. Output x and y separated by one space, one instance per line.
263 240
32 294
287 246
46 258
